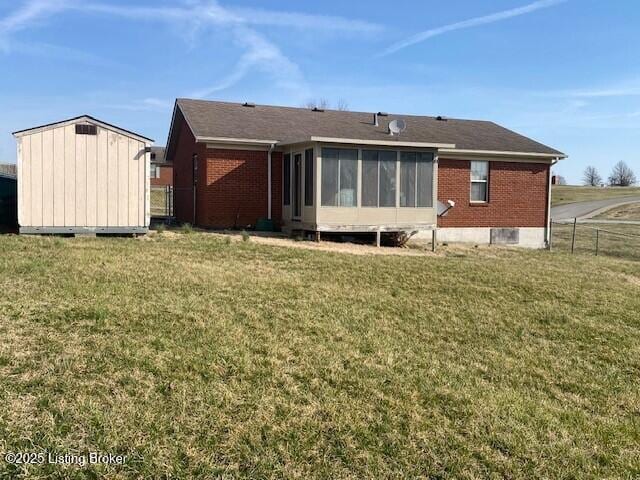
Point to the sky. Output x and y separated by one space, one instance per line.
563 72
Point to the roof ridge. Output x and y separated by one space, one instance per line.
392 114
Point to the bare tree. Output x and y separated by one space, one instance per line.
312 103
342 105
622 176
591 177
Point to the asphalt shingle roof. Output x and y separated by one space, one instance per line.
289 125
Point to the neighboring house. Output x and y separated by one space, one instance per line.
161 170
82 176
338 171
8 169
8 201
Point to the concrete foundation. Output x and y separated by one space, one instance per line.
526 237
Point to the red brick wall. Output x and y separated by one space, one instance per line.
517 195
185 147
231 185
166 176
234 194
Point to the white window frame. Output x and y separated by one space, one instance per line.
486 182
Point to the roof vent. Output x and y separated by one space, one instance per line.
376 115
316 109
441 118
249 104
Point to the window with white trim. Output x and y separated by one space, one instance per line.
480 182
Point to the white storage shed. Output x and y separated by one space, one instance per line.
82 176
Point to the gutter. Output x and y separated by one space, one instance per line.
271 149
547 232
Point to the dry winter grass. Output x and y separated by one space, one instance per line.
196 357
630 211
561 194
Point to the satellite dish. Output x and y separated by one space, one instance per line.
397 126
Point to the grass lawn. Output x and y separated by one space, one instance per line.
197 357
626 245
561 194
630 211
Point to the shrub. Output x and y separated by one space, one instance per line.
187 228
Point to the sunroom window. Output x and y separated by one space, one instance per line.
416 179
339 180
379 178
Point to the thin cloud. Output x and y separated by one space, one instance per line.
31 12
260 53
473 22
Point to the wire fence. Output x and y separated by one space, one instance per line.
614 240
161 201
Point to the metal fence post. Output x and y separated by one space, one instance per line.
550 236
434 239
597 240
573 237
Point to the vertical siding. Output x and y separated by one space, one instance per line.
59 183
92 191
123 181
144 182
112 175
47 178
69 176
81 180
132 198
70 180
36 179
102 181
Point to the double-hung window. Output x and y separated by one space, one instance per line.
379 178
339 179
416 179
479 182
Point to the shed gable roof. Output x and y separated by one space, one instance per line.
286 125
83 118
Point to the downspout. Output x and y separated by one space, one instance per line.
547 233
271 149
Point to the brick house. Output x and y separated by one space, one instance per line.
161 173
337 171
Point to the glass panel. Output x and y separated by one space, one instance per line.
287 180
329 177
388 178
297 184
479 192
425 180
479 170
369 178
348 177
308 177
407 179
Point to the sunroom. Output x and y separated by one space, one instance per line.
349 186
